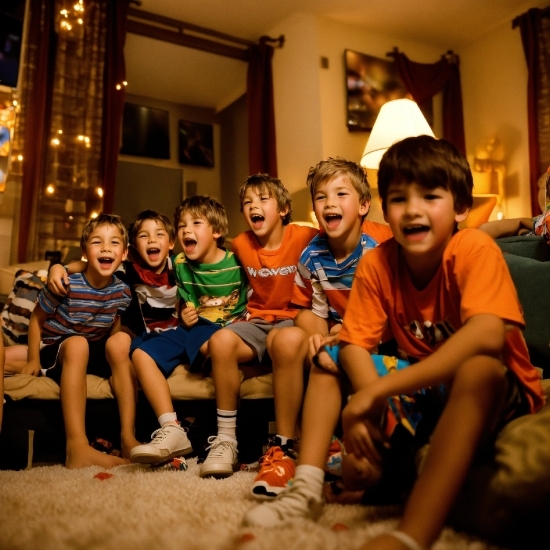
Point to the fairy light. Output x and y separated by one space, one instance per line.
50 189
94 215
99 192
20 158
55 142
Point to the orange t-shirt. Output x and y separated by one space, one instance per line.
271 272
380 232
473 279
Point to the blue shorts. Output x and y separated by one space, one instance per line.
173 347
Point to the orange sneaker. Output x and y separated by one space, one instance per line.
277 469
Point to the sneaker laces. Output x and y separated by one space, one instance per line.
296 501
218 446
160 434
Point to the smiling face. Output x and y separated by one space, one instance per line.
422 220
105 250
261 213
338 208
198 239
153 244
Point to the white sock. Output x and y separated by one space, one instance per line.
227 425
166 418
312 476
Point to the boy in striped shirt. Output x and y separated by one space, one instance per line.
70 335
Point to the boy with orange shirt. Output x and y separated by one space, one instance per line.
340 196
269 254
449 301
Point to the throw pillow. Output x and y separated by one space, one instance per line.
20 304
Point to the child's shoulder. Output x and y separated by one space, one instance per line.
468 240
301 232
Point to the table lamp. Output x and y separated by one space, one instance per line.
397 120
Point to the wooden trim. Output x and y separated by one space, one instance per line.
180 36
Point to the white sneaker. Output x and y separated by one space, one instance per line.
167 442
296 501
222 459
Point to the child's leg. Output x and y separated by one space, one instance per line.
227 350
73 355
152 382
170 440
15 358
124 384
473 407
304 498
288 352
287 348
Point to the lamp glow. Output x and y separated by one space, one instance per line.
397 120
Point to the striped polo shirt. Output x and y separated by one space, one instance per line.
84 311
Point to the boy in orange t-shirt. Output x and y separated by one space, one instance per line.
449 300
269 254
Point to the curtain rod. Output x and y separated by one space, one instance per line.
545 12
186 34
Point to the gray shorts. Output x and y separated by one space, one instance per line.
255 331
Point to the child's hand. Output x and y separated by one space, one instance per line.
189 316
362 425
317 355
58 280
32 367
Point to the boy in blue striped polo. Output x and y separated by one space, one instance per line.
69 335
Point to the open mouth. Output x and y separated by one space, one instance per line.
189 245
333 220
415 231
106 262
257 220
153 253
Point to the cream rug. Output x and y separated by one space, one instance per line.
52 508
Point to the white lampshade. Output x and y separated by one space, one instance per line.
397 120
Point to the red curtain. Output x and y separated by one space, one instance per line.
262 153
41 49
535 36
424 80
113 99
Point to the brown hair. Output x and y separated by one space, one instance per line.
203 206
103 219
161 219
331 168
274 187
428 162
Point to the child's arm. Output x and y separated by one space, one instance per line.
58 277
38 317
507 227
482 334
116 326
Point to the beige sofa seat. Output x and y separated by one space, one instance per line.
183 386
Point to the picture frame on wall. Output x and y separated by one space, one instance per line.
371 82
196 143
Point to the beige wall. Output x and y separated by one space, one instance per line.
494 84
208 179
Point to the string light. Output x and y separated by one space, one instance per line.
50 189
99 192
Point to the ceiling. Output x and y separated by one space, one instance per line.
182 75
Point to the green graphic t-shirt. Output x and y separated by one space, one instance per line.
218 291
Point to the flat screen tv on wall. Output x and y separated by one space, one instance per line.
145 132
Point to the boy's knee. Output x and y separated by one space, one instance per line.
289 341
481 373
222 341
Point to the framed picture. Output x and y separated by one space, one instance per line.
371 82
196 143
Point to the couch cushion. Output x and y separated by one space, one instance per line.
20 304
8 273
528 246
532 281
